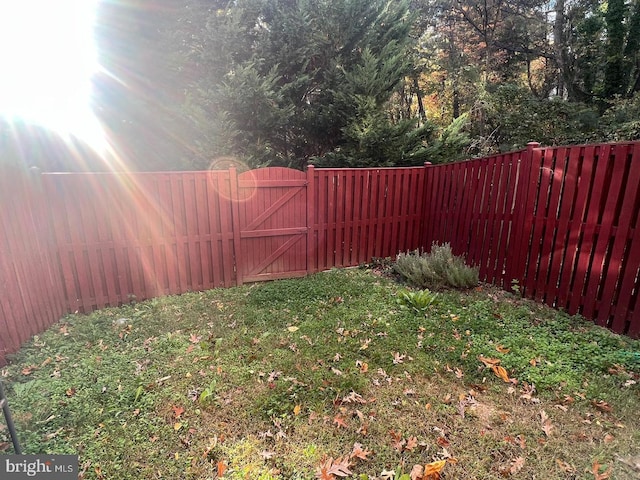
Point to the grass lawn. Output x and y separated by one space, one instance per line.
330 377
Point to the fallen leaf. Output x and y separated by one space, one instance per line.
608 438
267 455
387 475
193 338
397 442
397 358
331 468
533 362
597 474
602 406
489 362
546 423
443 442
340 421
359 452
412 443
516 465
459 373
177 411
293 329
222 467
432 470
502 349
354 397
416 472
500 372
177 426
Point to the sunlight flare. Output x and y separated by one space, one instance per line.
48 60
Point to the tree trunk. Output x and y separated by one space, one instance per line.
421 111
559 46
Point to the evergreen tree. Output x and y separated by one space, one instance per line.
614 76
286 81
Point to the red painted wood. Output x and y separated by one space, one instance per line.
606 219
30 289
620 266
357 225
504 219
547 218
312 265
568 166
459 231
590 219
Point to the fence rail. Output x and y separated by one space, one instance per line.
561 221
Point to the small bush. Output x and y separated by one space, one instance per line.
436 270
419 301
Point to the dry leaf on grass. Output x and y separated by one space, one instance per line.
432 470
330 469
416 472
547 427
489 362
359 452
596 472
397 442
501 372
412 443
339 421
222 467
513 467
177 411
602 406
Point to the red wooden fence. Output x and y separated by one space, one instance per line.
561 221
140 235
31 296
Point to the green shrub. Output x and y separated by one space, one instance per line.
436 270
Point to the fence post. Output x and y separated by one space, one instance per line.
235 222
311 208
526 186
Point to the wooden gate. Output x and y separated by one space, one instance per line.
270 223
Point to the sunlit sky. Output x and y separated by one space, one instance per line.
47 59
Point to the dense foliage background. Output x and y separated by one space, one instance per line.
194 84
